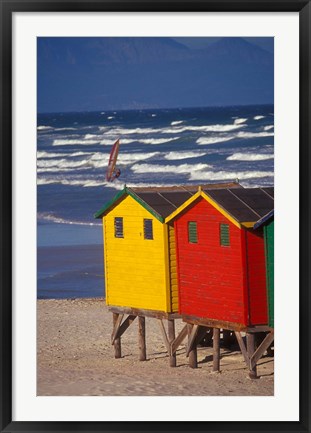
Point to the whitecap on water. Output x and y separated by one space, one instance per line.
250 157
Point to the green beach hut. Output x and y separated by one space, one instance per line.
267 223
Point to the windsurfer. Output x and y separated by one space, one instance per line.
116 173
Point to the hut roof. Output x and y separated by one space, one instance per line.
241 205
162 201
264 219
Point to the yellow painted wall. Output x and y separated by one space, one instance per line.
136 269
173 269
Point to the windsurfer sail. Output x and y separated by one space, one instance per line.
112 171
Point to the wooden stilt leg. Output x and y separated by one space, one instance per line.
193 355
117 342
142 338
171 338
250 343
216 349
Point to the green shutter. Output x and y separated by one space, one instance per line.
192 232
224 235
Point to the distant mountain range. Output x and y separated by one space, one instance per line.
89 74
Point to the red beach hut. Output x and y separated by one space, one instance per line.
220 258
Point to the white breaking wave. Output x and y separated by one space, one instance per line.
126 131
96 160
183 155
227 175
155 168
82 142
60 155
239 121
50 155
44 127
259 117
60 164
52 218
243 134
85 183
153 115
250 157
240 134
212 140
60 142
157 140
51 128
175 130
205 128
268 127
177 122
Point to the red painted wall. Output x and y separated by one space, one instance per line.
257 284
210 276
225 283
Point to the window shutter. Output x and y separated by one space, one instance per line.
148 229
118 227
192 232
224 235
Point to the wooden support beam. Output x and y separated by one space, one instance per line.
165 339
193 354
242 347
171 338
123 327
146 313
179 339
117 319
250 343
116 342
210 323
192 339
216 349
142 338
261 349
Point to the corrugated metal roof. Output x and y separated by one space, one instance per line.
165 200
244 204
163 203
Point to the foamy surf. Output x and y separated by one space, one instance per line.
239 121
250 157
230 175
237 135
175 155
174 169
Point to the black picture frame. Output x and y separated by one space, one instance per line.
8 7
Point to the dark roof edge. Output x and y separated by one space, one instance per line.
264 219
120 195
110 203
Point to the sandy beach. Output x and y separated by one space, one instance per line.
75 357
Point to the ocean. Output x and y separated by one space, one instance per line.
157 147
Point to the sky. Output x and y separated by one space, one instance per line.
93 74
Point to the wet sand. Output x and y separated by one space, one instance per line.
75 357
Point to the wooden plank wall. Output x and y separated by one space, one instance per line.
173 269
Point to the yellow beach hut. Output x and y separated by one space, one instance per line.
139 264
